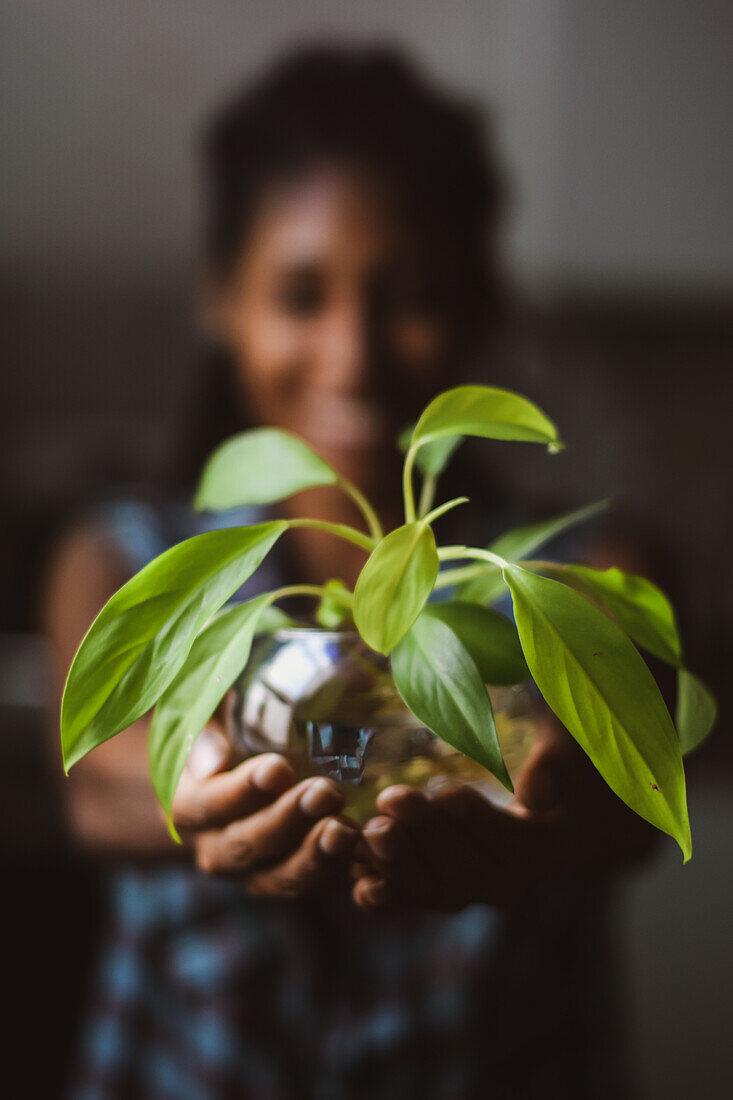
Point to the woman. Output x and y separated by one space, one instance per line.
350 273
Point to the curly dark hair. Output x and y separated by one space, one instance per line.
371 107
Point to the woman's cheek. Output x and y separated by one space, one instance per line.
273 366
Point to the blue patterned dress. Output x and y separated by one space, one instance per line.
203 993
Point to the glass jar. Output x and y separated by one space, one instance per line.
328 702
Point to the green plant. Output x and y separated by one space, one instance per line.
162 640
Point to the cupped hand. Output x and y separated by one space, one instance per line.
447 847
252 821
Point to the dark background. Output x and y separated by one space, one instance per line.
614 120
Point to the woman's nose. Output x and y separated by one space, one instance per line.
347 348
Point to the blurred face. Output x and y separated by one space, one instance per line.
334 322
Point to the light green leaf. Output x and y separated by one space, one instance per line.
272 618
218 655
334 611
261 466
484 589
433 457
599 687
638 606
696 710
519 543
487 412
394 585
436 676
490 638
143 634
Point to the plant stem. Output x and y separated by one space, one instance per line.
361 502
450 577
317 590
407 485
542 566
340 530
427 495
455 553
443 508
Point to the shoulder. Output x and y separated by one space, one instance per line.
95 552
83 568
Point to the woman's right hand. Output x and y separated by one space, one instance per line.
254 823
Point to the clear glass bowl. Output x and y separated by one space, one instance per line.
328 702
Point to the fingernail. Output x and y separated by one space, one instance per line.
400 795
374 894
270 774
209 754
319 799
336 838
379 834
437 783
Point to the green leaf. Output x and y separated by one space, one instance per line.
599 687
638 606
487 412
261 466
519 543
433 457
143 634
218 655
333 611
696 710
490 638
484 589
438 679
272 618
394 585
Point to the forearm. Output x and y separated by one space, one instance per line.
111 808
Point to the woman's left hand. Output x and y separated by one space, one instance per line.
447 847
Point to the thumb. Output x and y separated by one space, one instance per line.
211 753
538 785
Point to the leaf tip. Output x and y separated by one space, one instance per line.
69 758
173 831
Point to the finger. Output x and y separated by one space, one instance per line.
375 894
229 795
410 846
497 835
413 810
318 862
358 868
539 784
211 753
385 842
470 848
269 835
405 804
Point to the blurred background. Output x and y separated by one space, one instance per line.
613 121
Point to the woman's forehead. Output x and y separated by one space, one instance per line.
330 210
